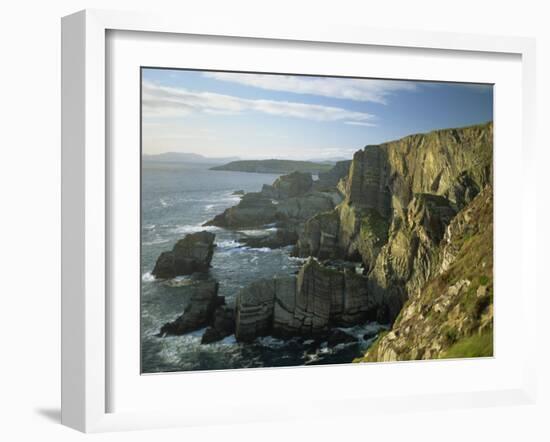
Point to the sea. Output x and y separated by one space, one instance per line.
176 199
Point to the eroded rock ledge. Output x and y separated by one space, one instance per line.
306 305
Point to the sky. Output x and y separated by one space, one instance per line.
256 116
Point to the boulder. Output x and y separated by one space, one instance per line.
190 254
198 313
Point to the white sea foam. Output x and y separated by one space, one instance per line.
255 232
193 228
259 249
165 203
147 277
229 244
155 241
271 342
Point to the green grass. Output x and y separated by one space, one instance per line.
471 347
275 166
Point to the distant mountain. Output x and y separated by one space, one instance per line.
184 157
274 166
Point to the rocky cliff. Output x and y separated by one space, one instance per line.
398 198
451 315
305 305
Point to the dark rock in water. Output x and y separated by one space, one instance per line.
281 238
190 254
238 192
288 186
254 310
223 324
211 335
199 312
338 336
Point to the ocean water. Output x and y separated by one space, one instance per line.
177 199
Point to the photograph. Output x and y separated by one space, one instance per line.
293 219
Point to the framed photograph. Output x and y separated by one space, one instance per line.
287 222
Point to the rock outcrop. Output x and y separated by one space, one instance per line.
407 260
451 315
223 324
199 312
383 179
398 199
254 210
306 305
190 254
290 201
289 186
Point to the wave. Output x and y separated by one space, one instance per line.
229 244
155 242
258 249
193 228
148 277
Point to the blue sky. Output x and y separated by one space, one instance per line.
296 117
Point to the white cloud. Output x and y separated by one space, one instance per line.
376 91
166 101
359 123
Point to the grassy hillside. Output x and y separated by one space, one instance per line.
274 166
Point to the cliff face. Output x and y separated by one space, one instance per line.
452 314
307 305
398 199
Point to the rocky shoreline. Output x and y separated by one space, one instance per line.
375 232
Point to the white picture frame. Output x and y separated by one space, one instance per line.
86 315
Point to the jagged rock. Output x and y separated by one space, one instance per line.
190 254
307 305
383 180
199 311
451 315
338 337
254 310
223 324
238 192
411 253
288 186
289 199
